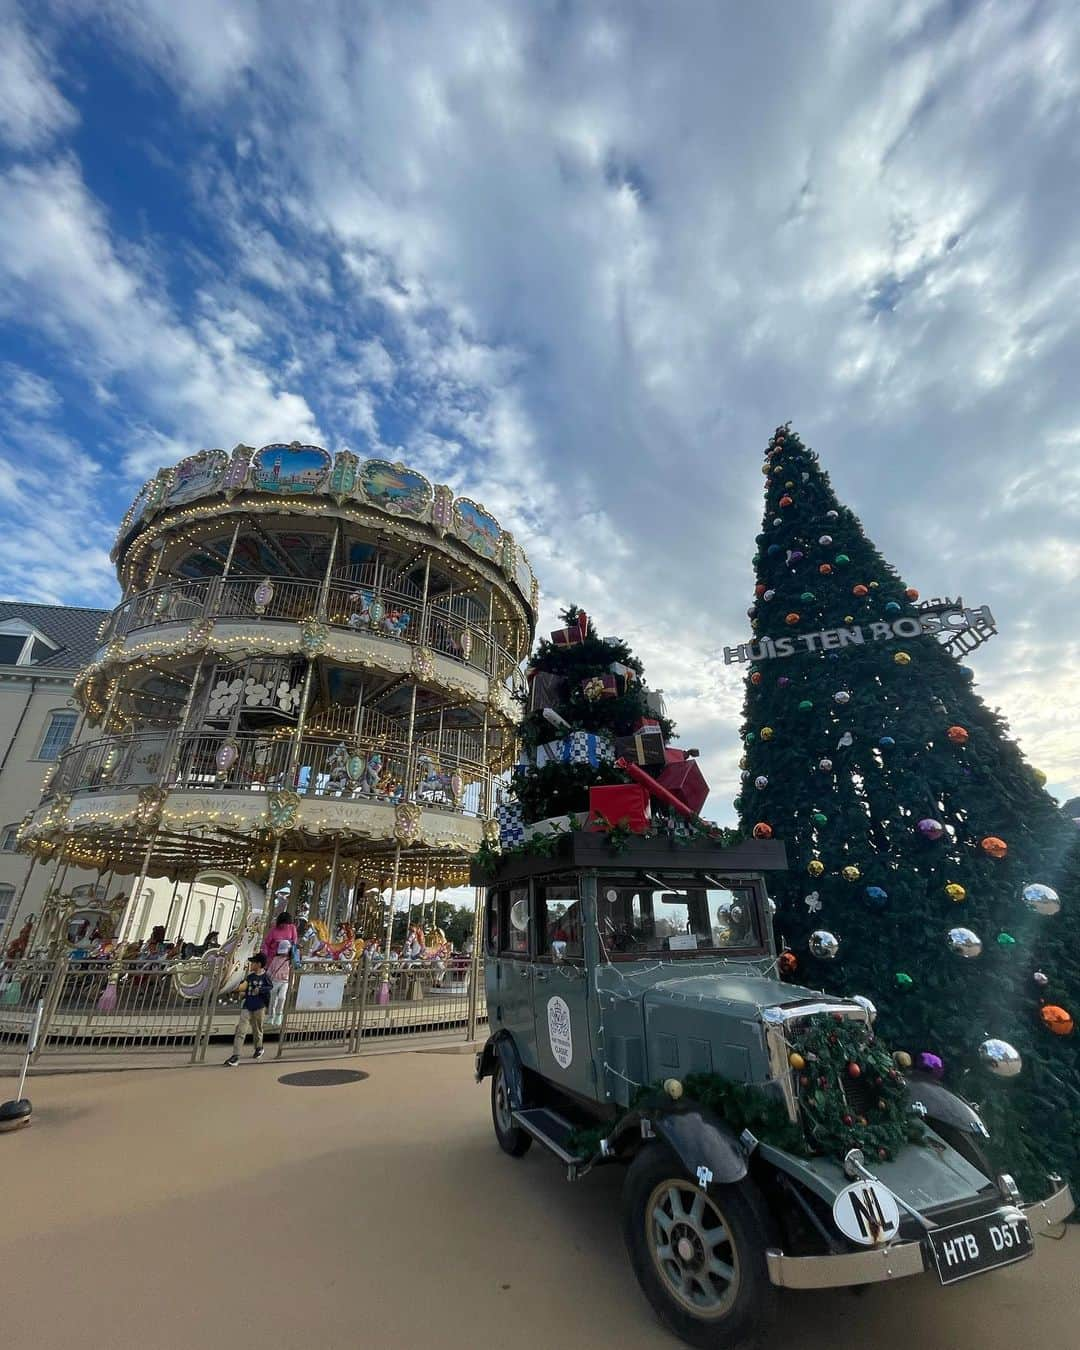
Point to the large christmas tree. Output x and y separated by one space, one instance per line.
915 829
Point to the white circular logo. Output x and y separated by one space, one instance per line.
559 1034
866 1213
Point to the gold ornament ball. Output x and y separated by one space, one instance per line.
902 659
815 868
955 892
851 873
796 1060
1040 777
901 1059
767 733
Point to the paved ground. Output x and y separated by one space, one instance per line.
217 1208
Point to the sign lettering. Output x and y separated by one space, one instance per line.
832 639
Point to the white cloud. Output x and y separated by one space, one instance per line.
32 109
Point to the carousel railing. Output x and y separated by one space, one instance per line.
445 770
450 627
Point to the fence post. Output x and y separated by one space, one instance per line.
358 1025
57 977
474 965
290 1000
207 1008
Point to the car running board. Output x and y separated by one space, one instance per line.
547 1127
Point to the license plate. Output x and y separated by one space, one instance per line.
966 1249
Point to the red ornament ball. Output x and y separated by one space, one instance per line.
994 847
1057 1020
854 1071
958 735
756 678
825 569
762 830
860 590
849 1120
791 619
785 500
911 593
759 590
787 963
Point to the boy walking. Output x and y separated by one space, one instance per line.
257 988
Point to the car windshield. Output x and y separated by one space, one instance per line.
658 914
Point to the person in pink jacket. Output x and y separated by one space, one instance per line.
278 947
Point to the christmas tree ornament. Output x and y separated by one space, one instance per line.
751 611
825 569
824 945
761 781
902 659
874 585
901 1059
860 590
994 847
853 1070
850 872
786 501
958 735
877 897
903 980
815 867
807 597
789 484
955 892
846 741
927 1062
892 607
820 818
931 829
1041 899
762 830
783 682
841 560
1039 777
832 515
759 590
1041 978
886 742
812 902
1005 941
1056 1019
756 678
774 550
911 593
963 942
767 733
769 595
867 1006
791 619
806 705
750 738
796 1061
796 555
787 963
842 697
1000 1058
825 765
825 540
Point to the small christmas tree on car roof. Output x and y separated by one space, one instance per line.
586 706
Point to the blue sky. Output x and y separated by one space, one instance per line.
576 260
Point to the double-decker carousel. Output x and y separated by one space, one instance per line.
308 683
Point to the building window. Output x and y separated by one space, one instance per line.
8 838
58 733
7 895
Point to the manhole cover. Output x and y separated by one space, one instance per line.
322 1077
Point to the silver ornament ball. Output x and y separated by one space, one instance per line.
825 540
1041 978
1000 1058
761 781
964 942
825 765
841 696
824 945
1041 899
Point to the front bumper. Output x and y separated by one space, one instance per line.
895 1261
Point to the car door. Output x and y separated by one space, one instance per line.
512 996
561 989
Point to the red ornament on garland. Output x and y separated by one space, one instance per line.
995 847
756 678
958 735
785 500
825 569
1058 1020
911 593
787 963
860 590
762 830
854 1071
849 1120
791 619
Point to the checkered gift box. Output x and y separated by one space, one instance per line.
580 747
511 826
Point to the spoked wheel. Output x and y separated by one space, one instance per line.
699 1254
512 1138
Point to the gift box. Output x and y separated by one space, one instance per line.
645 747
600 686
625 675
553 825
511 826
654 702
580 747
575 633
684 780
545 690
619 804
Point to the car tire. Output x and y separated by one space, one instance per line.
699 1252
512 1138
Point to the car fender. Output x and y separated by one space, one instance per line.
501 1047
703 1144
945 1106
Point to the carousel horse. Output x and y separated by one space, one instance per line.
191 978
17 949
343 948
433 783
368 783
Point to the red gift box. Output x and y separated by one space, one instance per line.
683 779
644 722
570 637
619 804
600 686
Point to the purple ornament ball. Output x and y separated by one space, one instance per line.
797 555
931 829
782 682
925 1062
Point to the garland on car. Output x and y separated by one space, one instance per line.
850 1093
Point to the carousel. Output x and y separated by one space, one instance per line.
306 691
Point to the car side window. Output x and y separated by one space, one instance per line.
494 904
559 921
515 930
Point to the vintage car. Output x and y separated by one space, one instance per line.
631 992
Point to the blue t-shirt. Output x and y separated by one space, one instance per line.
258 991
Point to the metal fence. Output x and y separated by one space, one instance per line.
131 1007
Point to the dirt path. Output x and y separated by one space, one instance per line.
211 1208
